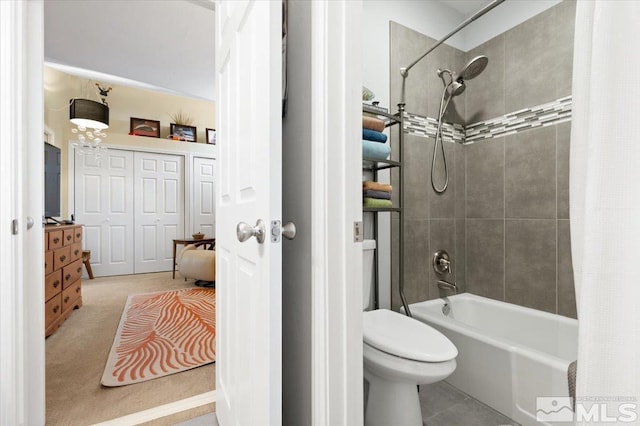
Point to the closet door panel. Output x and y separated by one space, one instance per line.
203 196
104 205
159 209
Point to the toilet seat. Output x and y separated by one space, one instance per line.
405 337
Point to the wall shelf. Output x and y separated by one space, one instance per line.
373 166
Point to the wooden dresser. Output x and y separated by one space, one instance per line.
62 272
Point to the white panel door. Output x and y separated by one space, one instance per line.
249 179
104 205
203 196
158 209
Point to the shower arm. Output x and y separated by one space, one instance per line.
404 71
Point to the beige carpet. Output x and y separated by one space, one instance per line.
77 352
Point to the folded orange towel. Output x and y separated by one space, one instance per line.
372 124
375 186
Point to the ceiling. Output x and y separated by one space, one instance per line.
466 7
168 45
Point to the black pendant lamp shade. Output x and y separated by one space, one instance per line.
89 114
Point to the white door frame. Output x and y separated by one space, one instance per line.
336 194
21 195
337 319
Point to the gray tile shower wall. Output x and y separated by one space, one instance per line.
423 87
517 209
432 221
504 218
530 64
517 189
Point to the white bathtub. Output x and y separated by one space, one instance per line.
508 354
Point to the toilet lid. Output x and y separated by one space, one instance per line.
406 337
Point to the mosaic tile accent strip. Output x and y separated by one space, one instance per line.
427 127
548 114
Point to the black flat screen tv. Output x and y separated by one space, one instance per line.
51 181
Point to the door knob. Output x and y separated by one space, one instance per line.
289 231
30 222
245 231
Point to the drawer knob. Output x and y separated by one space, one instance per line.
56 283
66 299
79 269
63 258
56 309
68 237
56 240
78 235
78 289
75 253
66 277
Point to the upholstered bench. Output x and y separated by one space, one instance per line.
197 264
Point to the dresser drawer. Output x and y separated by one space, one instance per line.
71 273
70 295
52 310
76 251
48 262
67 236
52 284
77 234
61 257
55 239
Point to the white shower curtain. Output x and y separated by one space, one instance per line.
605 203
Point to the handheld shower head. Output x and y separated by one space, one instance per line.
457 87
473 68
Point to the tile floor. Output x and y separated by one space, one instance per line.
441 403
444 405
206 420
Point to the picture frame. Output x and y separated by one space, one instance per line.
211 136
181 132
144 127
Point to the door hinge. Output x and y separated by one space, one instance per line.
275 231
14 227
358 235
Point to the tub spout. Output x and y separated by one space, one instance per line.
446 285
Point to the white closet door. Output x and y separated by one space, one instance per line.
203 196
159 209
104 205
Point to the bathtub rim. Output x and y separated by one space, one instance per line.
469 330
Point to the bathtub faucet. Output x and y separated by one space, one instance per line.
446 285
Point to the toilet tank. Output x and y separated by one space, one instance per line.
368 272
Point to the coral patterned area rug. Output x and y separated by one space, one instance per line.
161 334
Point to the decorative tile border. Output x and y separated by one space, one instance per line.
548 114
427 127
555 112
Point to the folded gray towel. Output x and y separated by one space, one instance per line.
381 195
571 378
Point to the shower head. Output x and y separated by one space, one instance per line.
473 68
457 87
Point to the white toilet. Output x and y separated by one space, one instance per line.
400 353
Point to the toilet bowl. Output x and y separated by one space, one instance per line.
399 354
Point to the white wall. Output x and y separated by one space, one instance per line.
428 17
168 44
